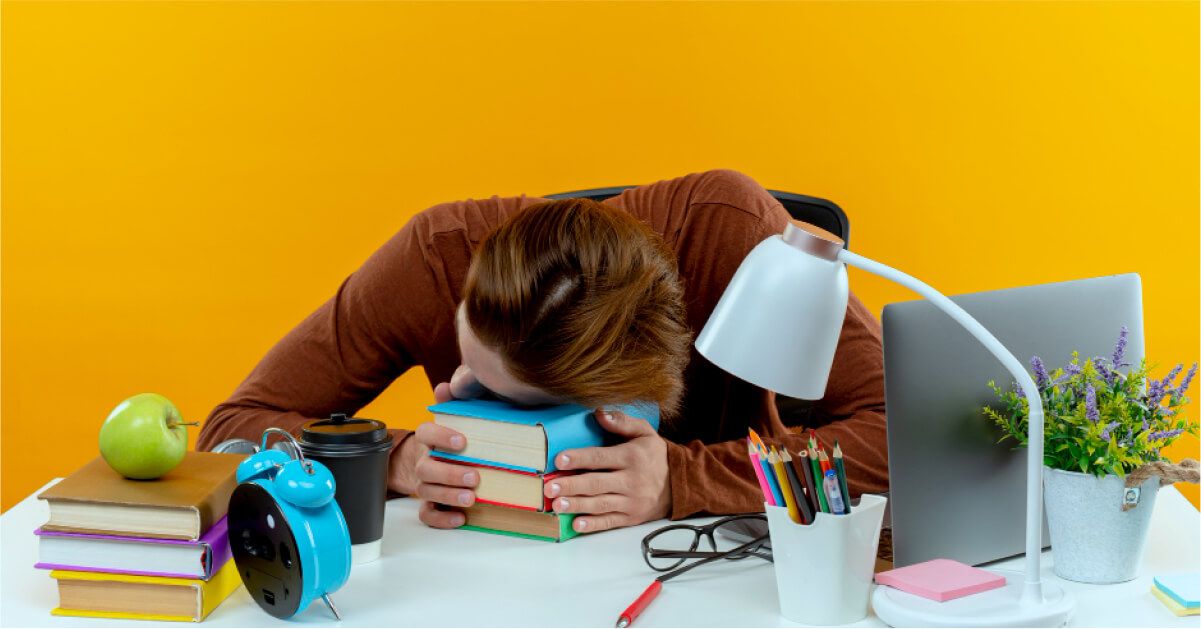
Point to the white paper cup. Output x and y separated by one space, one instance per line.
824 569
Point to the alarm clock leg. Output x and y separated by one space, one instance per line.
330 603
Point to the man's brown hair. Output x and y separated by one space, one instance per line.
583 301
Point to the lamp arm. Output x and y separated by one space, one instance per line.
1032 593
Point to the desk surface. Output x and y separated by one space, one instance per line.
434 578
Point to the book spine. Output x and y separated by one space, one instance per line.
216 547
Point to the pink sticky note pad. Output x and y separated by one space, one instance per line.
940 579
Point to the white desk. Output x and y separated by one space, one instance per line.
437 578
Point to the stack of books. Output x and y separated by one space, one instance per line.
514 451
143 550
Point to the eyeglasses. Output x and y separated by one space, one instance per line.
666 549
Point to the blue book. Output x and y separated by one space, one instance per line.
526 439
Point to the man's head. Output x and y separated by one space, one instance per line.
577 301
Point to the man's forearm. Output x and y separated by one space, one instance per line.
229 421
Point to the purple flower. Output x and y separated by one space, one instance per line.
1155 393
1188 379
1164 434
1072 369
1119 350
1041 377
1167 381
1090 404
1103 370
1108 427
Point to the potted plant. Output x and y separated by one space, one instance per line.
1100 425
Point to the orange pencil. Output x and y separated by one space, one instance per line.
757 440
817 479
825 462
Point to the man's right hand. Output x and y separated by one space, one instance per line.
444 487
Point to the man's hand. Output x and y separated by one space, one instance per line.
445 487
630 485
402 467
442 486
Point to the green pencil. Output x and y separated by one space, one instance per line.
841 469
817 473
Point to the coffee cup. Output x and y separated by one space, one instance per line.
356 451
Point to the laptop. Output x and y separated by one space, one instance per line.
955 492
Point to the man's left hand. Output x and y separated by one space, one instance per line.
628 483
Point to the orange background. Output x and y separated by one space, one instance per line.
183 182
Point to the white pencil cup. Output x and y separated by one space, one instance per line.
824 569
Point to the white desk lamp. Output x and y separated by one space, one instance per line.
777 326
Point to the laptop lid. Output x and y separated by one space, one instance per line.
955 492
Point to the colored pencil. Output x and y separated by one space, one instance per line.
754 456
756 439
824 461
631 613
817 480
798 490
841 469
770 475
777 465
801 463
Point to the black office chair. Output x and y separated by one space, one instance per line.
813 210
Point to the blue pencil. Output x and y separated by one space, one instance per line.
771 479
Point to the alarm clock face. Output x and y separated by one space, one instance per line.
264 550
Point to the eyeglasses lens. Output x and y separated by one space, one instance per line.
673 540
736 533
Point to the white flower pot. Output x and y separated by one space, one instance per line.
1092 539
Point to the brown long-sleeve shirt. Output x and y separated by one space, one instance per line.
397 311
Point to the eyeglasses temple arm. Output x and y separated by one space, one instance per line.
678 571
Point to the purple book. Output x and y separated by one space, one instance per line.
199 559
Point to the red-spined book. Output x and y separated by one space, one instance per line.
508 487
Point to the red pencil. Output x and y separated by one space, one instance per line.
627 617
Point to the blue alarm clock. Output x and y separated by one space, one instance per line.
288 536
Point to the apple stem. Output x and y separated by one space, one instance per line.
174 424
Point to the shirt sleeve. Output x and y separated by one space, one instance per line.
395 311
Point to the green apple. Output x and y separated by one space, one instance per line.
144 437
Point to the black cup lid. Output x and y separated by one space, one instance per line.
340 430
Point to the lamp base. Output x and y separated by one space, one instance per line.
995 608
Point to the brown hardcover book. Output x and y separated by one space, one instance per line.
182 504
552 527
136 597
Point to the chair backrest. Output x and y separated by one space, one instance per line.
813 210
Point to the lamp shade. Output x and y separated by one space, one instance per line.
777 323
